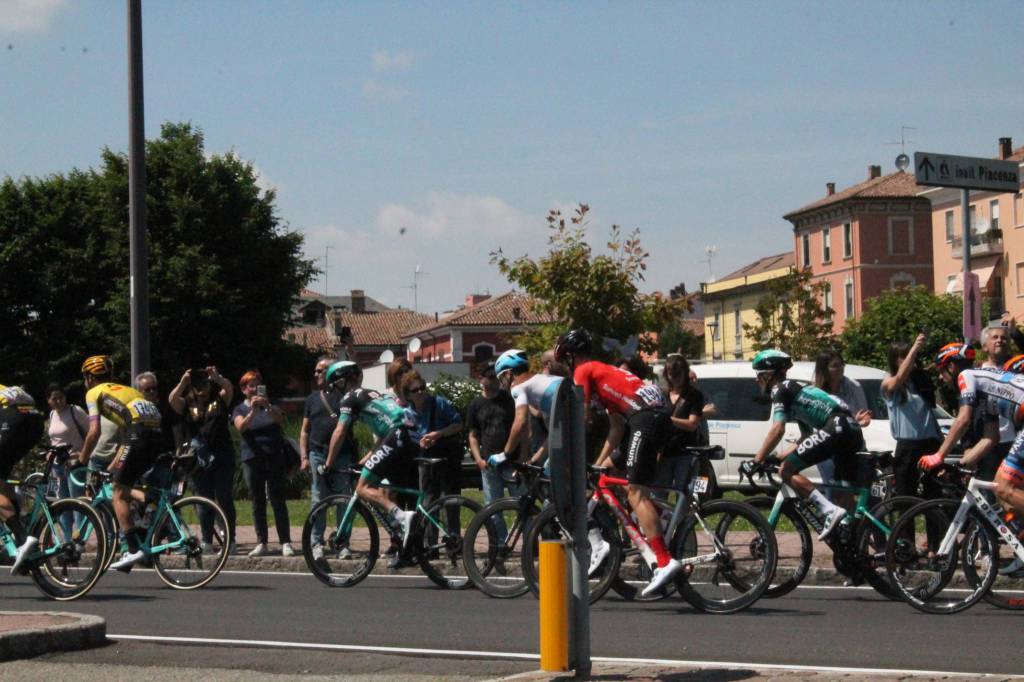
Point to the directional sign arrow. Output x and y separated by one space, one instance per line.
927 167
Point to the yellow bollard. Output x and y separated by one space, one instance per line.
554 606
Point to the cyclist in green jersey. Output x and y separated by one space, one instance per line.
394 450
828 429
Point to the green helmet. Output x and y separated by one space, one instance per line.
342 370
771 360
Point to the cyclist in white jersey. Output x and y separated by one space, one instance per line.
529 391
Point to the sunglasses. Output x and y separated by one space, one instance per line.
418 389
318 371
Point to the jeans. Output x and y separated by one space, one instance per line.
674 472
217 483
494 488
332 482
265 477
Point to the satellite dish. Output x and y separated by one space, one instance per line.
902 162
386 357
414 344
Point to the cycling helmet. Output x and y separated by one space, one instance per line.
771 360
98 365
960 353
511 360
342 370
573 341
1015 364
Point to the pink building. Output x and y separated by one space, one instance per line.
865 239
997 240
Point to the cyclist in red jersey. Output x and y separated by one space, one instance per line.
636 411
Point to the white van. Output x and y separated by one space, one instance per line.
742 413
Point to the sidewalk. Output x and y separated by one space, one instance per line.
23 635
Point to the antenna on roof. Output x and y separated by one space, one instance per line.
709 252
327 250
416 274
903 161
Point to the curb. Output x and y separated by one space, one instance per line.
72 632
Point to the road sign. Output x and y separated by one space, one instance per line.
966 172
972 307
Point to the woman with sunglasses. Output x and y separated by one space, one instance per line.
437 421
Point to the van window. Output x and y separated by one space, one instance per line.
873 393
736 399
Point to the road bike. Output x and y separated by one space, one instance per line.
492 547
68 559
726 548
936 537
857 543
351 536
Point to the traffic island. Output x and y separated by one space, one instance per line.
28 634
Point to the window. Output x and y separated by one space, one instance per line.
826 245
483 352
828 301
848 295
847 240
949 226
736 399
902 280
901 236
805 242
717 329
993 212
738 333
1019 273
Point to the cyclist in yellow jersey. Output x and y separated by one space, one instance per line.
21 425
138 422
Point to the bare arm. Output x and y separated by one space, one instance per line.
977 452
894 383
957 429
177 397
92 437
304 444
774 435
474 449
516 432
616 428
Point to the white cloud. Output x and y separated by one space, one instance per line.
383 60
28 16
375 91
450 214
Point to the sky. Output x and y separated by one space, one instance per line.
465 123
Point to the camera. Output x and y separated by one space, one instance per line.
261 390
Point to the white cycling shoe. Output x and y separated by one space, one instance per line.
661 577
831 521
26 548
599 550
404 521
127 560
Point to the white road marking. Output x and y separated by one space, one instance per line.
460 653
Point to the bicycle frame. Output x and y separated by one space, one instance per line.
861 510
348 517
39 506
974 497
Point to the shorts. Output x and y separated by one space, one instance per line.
839 440
19 431
136 456
646 434
1012 467
394 460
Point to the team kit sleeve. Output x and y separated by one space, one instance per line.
780 412
92 403
968 386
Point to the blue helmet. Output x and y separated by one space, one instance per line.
511 360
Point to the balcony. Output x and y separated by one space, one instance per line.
982 243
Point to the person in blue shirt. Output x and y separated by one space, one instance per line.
437 420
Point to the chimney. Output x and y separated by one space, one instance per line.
476 299
1005 147
830 188
358 301
874 172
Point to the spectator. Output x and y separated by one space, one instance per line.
995 339
319 418
489 420
263 460
170 436
909 394
66 427
396 370
635 365
829 376
687 412
203 411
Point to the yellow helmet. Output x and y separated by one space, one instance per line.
98 365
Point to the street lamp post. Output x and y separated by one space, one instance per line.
713 326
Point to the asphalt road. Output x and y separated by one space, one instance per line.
812 626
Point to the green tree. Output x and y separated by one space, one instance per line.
676 338
900 315
792 317
600 292
223 268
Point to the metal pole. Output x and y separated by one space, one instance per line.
580 561
965 221
138 280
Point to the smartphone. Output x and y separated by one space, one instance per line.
261 391
346 333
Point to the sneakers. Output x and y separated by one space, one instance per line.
661 577
19 568
127 560
599 549
318 552
344 553
286 549
207 548
259 550
831 521
403 521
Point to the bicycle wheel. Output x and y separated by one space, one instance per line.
184 565
493 563
635 573
794 546
928 581
346 554
742 548
1007 592
68 565
439 534
110 528
870 542
546 527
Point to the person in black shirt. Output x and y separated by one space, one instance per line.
489 419
687 411
318 422
202 401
